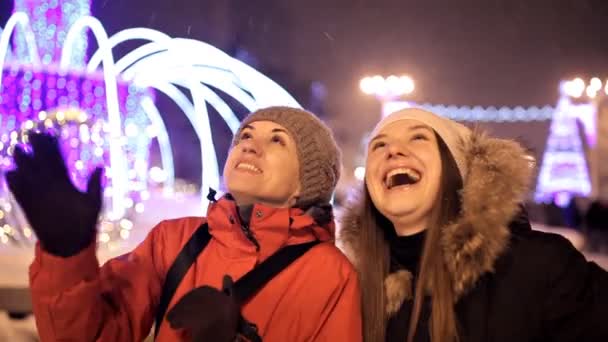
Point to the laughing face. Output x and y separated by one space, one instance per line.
403 171
263 166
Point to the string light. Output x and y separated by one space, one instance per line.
124 234
104 237
477 113
139 207
75 125
50 22
126 224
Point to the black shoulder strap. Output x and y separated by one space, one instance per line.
244 288
249 284
181 265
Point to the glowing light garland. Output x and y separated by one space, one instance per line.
477 113
51 21
101 108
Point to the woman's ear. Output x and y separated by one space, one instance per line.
292 201
295 196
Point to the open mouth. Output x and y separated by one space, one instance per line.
248 167
401 176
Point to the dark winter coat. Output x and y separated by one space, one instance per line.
511 283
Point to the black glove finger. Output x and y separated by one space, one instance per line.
47 154
94 190
23 160
17 186
22 194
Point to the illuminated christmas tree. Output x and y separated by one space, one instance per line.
564 171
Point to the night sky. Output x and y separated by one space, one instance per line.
467 52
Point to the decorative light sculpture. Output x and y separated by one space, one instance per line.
104 111
563 171
572 163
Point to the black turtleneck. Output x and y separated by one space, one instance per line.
406 252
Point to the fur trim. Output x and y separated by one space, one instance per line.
396 292
497 181
347 237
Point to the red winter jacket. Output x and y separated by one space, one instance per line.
315 299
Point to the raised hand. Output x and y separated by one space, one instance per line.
63 218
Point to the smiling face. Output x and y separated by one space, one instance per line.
263 166
403 174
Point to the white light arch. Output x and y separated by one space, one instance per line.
117 159
5 35
162 63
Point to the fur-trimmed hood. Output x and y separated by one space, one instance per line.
497 180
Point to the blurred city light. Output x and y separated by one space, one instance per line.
390 87
360 173
577 87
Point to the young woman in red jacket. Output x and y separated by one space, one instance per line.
280 173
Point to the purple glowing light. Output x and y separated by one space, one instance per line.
51 20
71 104
564 170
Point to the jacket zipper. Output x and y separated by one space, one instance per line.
249 235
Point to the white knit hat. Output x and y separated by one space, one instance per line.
451 132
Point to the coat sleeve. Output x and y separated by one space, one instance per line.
341 320
76 300
576 303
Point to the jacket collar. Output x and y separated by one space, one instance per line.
271 227
498 179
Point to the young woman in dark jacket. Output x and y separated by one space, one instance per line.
445 252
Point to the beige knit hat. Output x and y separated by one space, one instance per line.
451 132
318 153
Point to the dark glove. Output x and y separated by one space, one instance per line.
207 314
63 218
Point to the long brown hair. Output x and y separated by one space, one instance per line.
433 275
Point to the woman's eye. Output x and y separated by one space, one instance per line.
378 145
245 136
419 137
278 140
